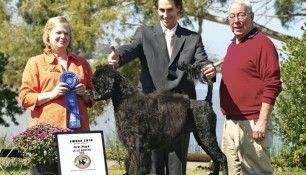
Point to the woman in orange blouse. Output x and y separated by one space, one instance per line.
41 90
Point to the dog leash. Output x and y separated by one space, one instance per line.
218 63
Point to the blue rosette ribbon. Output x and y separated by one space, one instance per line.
71 102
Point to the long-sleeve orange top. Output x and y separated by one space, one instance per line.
41 74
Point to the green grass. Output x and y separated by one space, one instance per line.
189 172
13 166
119 171
115 170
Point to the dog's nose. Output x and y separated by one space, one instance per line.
95 95
91 94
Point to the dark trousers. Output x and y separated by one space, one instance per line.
172 159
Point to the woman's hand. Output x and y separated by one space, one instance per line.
80 90
59 90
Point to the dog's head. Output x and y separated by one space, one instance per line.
103 82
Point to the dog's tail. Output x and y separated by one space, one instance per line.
194 73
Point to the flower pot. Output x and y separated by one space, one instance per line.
44 169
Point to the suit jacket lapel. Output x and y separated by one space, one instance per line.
159 68
161 41
178 42
159 64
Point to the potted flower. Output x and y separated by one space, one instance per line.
38 146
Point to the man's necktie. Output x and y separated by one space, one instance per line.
169 39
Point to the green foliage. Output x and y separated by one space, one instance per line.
24 38
27 30
37 12
94 23
131 71
291 109
287 9
19 54
115 150
8 103
9 106
4 16
97 110
117 155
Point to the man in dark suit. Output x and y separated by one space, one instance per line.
159 70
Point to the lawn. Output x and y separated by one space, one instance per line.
115 169
111 171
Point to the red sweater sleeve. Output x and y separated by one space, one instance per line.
269 71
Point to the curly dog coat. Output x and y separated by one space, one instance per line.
148 121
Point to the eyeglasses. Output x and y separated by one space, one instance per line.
240 16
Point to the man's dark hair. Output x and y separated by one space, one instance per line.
178 3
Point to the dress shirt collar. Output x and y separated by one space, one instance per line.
51 58
250 35
164 28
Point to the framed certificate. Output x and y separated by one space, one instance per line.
81 153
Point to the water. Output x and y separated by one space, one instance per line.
201 94
106 121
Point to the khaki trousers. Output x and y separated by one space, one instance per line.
244 155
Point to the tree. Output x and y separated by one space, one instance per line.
286 10
107 21
9 106
98 22
3 15
291 110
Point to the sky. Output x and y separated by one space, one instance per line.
216 38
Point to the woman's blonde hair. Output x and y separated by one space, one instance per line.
51 23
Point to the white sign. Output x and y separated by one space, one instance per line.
81 153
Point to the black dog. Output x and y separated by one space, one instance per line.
148 121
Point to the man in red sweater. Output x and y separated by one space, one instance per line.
248 90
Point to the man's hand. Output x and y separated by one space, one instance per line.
209 71
259 130
113 57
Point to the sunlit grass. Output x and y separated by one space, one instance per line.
13 166
116 170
